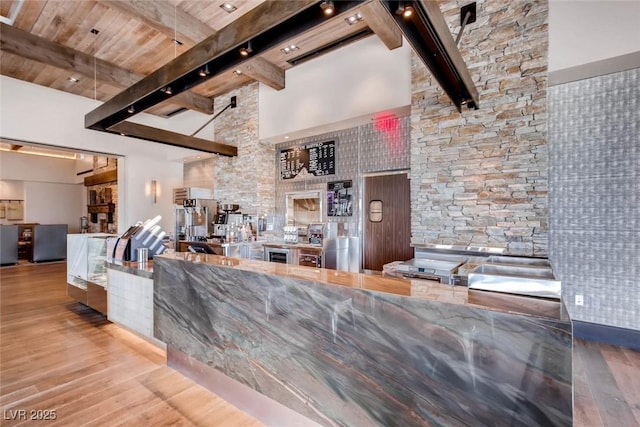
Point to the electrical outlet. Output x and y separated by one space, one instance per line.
579 300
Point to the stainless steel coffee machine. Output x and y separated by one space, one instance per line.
228 217
195 212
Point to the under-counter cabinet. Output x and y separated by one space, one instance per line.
86 269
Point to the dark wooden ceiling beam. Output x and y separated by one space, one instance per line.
172 138
147 91
165 18
27 45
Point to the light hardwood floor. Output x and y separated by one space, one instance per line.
56 354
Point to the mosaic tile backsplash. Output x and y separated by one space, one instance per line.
594 198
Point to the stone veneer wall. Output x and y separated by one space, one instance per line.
247 179
480 177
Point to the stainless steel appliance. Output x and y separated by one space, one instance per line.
194 211
276 254
315 233
342 253
193 221
516 275
310 259
433 269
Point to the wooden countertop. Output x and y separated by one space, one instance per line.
419 288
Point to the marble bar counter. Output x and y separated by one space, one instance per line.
348 349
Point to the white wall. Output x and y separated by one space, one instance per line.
13 190
581 32
37 114
53 203
29 167
357 80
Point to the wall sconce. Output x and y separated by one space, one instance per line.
154 191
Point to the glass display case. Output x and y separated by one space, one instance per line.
87 269
96 259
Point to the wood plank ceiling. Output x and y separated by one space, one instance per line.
51 43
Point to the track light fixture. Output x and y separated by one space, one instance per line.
404 11
327 7
167 90
353 19
204 72
131 109
246 50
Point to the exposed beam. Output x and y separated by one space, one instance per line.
264 71
181 73
380 21
429 35
172 138
27 45
165 18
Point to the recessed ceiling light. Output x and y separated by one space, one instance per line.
73 80
286 137
228 7
288 49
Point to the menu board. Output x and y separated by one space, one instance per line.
317 159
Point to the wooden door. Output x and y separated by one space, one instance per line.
387 220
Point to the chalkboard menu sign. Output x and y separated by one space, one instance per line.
317 159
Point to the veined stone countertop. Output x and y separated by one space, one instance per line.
419 288
347 349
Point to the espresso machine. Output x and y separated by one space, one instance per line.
228 217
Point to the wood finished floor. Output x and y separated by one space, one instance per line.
56 354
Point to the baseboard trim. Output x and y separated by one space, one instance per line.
607 334
254 403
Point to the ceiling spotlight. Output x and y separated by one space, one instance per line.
237 72
246 50
288 49
73 80
204 72
353 19
167 90
228 7
327 7
131 109
404 11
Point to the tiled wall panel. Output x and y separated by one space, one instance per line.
361 150
594 196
